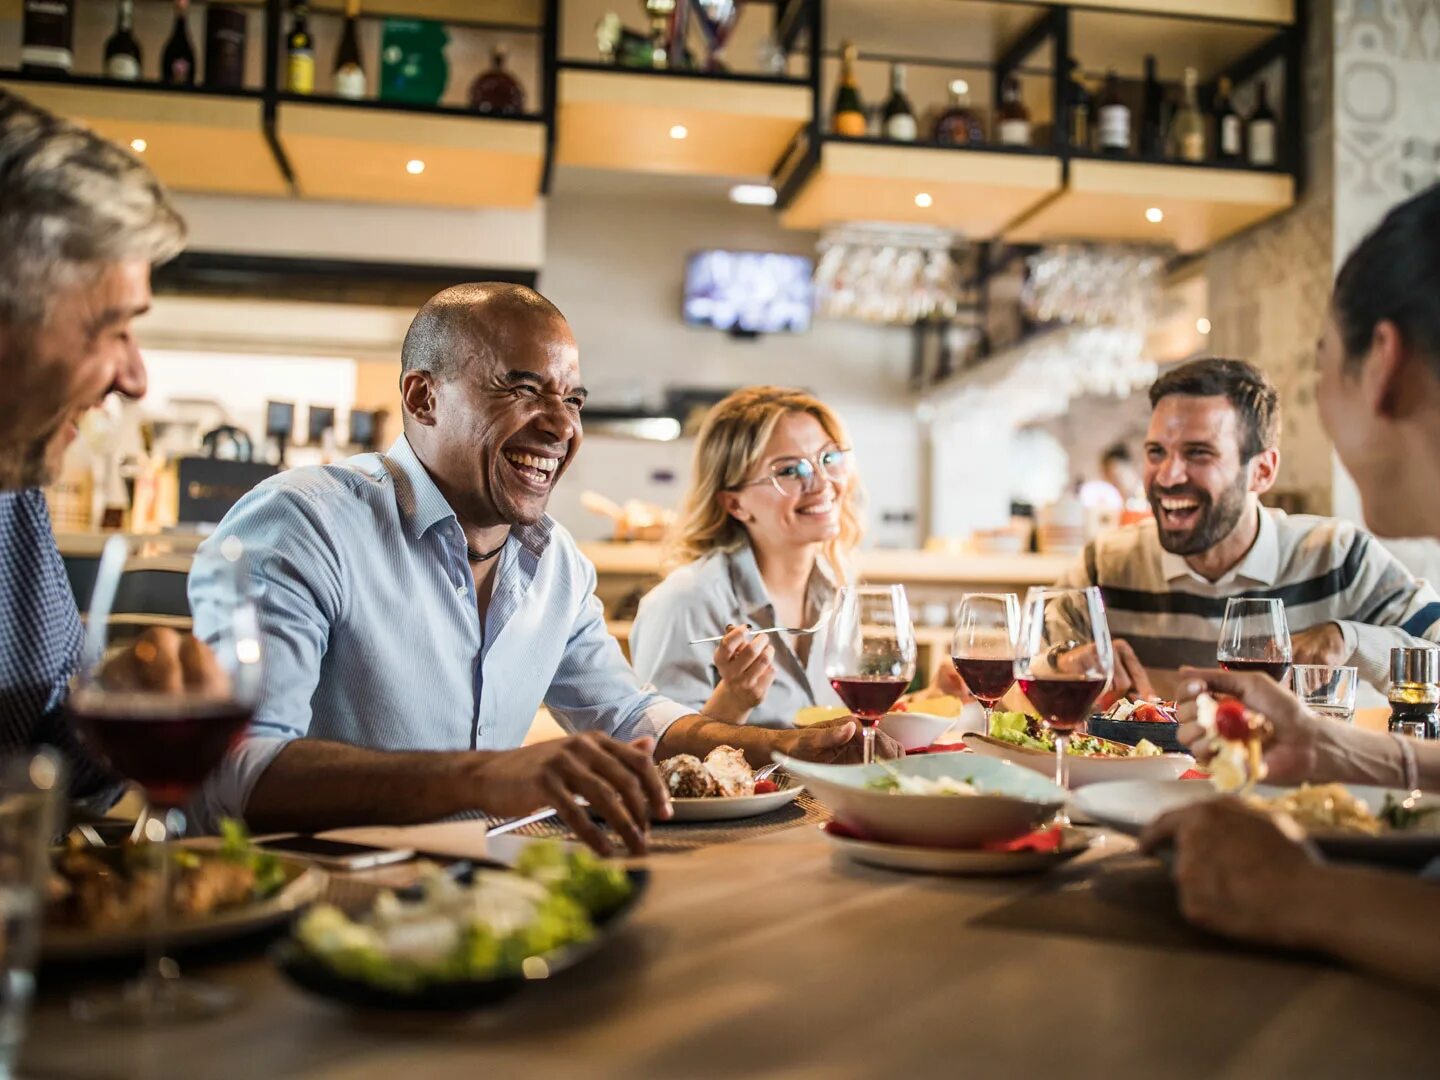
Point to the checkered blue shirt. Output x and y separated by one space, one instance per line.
40 636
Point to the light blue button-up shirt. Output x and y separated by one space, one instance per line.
372 633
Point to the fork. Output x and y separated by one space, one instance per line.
767 630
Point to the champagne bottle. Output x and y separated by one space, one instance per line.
1262 131
1014 126
849 115
300 52
1081 106
1152 115
122 51
1187 129
900 123
1229 129
1114 118
177 62
348 74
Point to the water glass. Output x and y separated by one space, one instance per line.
1329 691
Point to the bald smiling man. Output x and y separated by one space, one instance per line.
418 606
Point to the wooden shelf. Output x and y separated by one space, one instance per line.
360 154
1108 200
196 140
973 191
1280 12
611 118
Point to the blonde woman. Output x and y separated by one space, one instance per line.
765 539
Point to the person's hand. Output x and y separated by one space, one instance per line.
747 668
946 683
1294 736
1130 678
837 742
619 780
1324 644
162 660
1240 872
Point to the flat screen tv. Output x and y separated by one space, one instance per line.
749 292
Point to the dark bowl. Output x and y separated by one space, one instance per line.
1130 732
317 977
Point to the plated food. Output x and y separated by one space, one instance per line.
1142 712
452 943
722 787
1092 759
989 861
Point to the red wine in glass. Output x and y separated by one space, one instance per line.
1276 669
869 697
1064 703
168 745
988 679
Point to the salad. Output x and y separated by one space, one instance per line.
1014 728
899 784
481 930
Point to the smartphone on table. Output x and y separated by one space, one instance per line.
336 854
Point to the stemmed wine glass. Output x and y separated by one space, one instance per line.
1255 637
983 648
870 653
163 710
1064 662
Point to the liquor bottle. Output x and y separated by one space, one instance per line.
1261 135
849 115
224 47
122 51
1187 128
300 52
1415 692
1081 107
1114 117
899 122
1013 128
496 91
1153 121
1229 129
47 37
959 125
347 77
177 62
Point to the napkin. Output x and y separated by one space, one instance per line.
937 748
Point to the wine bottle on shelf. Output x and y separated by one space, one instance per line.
1262 133
1114 116
47 36
959 125
347 77
1081 104
122 51
1153 122
177 62
300 52
1229 128
497 92
224 47
1187 128
1013 127
849 115
899 123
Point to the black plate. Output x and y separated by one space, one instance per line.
1130 732
319 978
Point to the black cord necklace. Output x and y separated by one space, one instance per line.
482 556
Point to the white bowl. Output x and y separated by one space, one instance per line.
916 730
1086 770
1014 801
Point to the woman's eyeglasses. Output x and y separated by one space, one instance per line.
795 476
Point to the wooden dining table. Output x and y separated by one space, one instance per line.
776 956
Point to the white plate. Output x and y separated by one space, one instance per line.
917 730
960 861
1086 770
722 808
1014 802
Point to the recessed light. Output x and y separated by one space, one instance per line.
139 145
679 131
1202 325
415 166
753 194
1154 215
924 201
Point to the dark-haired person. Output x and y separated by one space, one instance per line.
418 606
81 223
1240 872
1211 450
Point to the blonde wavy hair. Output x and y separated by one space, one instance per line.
731 442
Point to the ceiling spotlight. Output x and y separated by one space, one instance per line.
1154 215
679 131
1202 325
753 195
415 166
924 201
139 145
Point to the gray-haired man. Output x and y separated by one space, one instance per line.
81 223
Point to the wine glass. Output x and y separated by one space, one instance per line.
870 653
1255 637
983 648
1064 662
164 717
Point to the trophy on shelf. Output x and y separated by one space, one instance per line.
717 19
667 31
664 47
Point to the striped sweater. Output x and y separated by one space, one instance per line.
1325 570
